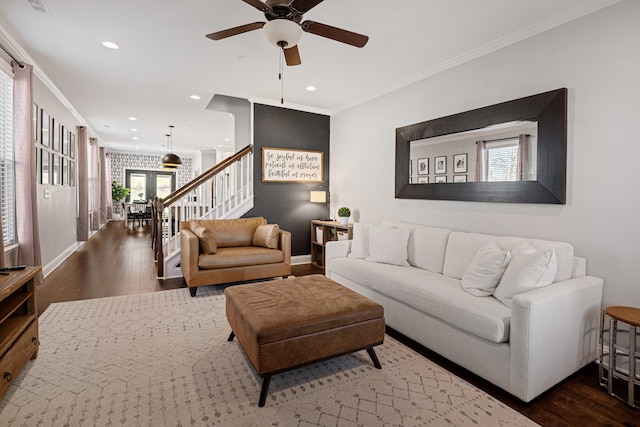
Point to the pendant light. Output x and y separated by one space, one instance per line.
170 160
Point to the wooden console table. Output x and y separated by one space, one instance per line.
18 323
323 232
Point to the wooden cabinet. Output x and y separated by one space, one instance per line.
18 323
323 232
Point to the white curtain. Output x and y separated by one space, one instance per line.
95 184
480 145
25 167
524 162
83 185
103 186
107 184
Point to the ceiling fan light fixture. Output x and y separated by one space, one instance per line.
283 30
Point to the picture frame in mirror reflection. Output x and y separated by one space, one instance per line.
460 163
440 165
441 179
423 166
460 178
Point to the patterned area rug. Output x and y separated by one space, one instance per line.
163 359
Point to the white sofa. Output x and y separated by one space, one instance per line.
548 333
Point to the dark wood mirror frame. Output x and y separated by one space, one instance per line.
549 109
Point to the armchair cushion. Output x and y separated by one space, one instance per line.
267 236
230 233
239 257
207 241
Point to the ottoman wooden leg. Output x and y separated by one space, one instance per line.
264 391
232 336
374 358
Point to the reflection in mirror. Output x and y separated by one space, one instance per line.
501 152
540 178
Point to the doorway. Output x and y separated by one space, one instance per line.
147 185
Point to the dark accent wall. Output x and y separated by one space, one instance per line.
287 204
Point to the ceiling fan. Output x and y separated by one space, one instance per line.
284 27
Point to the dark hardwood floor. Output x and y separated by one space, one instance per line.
118 261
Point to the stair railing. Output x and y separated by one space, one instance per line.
212 194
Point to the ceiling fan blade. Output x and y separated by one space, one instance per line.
219 35
257 4
292 55
334 33
303 6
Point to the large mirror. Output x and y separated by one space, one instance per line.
510 152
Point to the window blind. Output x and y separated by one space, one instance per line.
7 164
501 161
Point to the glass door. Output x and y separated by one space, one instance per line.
147 185
138 185
164 184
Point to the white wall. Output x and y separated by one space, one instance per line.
597 59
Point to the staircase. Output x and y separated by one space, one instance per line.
224 191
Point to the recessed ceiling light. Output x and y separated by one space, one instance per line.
311 88
134 130
132 119
137 147
227 139
110 45
194 97
135 138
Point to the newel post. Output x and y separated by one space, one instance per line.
159 248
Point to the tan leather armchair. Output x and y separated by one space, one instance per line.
235 258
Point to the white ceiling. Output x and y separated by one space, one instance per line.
164 56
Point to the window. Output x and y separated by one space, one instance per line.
501 161
7 164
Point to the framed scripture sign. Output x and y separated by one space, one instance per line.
285 165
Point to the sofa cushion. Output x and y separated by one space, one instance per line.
239 257
485 270
231 232
439 296
388 245
528 269
266 236
462 247
427 245
205 237
360 241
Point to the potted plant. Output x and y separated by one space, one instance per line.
344 213
118 193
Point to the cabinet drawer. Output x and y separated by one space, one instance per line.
12 362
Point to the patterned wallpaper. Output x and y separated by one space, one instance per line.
122 161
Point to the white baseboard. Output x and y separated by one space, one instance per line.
300 259
55 263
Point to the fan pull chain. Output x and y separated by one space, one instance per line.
281 78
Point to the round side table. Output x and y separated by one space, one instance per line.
621 347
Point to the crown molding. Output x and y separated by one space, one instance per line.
23 56
584 9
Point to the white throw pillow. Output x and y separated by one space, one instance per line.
388 245
360 241
529 269
486 269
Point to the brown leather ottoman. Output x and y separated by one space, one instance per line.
289 323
